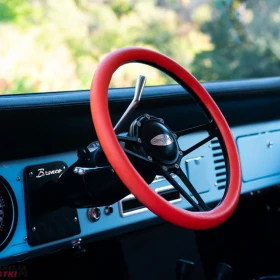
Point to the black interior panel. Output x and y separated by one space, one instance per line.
43 225
248 241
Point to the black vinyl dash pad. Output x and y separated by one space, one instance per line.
44 225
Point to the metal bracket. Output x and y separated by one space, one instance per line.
86 170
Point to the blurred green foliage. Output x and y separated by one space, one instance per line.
49 45
246 40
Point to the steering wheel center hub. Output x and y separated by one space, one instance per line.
158 140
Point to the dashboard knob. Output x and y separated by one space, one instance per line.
109 210
94 214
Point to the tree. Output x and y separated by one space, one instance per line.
245 35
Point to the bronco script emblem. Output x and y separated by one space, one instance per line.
162 140
42 172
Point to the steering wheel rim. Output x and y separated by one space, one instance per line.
122 165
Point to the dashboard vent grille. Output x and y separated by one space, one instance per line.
219 164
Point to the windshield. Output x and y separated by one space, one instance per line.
49 45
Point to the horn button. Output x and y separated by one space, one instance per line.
159 141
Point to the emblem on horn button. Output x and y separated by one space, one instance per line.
161 140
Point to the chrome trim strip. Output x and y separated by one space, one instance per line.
144 209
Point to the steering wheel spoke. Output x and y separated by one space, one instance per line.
181 190
127 139
199 144
204 127
136 156
192 189
133 141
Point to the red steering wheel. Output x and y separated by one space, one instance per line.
117 156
